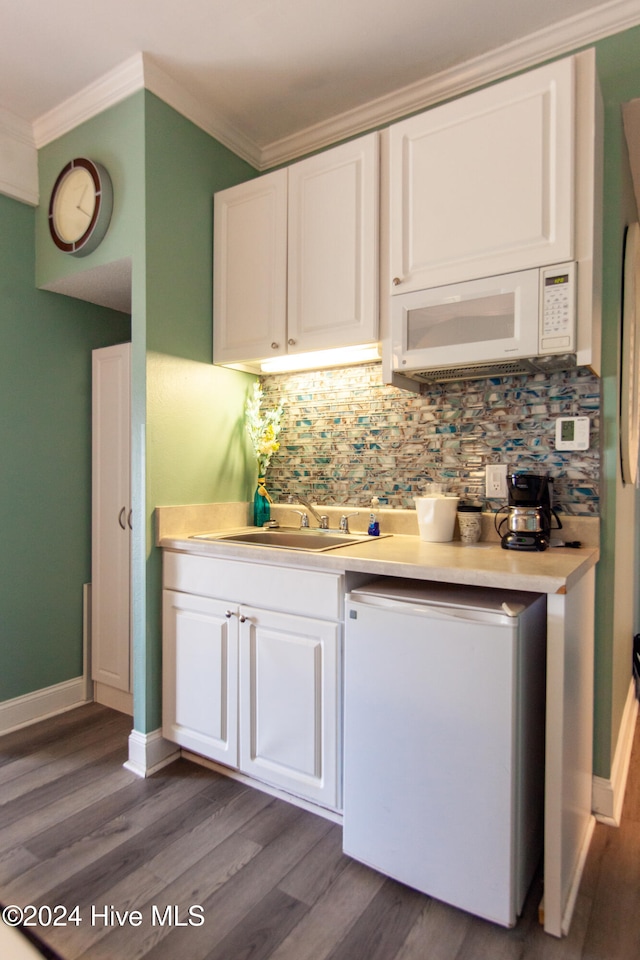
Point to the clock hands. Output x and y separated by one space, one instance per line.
79 206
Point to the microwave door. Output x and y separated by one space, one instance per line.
460 321
479 321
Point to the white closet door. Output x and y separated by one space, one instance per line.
111 517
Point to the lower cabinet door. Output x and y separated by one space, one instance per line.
200 675
289 703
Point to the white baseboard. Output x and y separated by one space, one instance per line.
574 886
115 699
41 704
608 794
149 752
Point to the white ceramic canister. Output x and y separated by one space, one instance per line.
436 517
470 522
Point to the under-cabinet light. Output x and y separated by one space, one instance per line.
320 359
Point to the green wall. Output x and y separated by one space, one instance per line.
45 469
115 138
187 438
619 73
195 445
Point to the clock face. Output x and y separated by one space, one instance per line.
74 204
80 207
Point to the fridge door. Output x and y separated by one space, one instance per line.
430 750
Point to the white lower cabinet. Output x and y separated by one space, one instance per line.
253 688
289 702
200 671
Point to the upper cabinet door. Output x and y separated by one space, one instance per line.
250 269
484 184
333 247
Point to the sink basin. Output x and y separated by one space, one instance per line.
291 538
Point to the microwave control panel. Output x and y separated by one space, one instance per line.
558 308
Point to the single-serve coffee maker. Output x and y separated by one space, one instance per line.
530 509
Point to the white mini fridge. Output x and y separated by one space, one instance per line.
444 740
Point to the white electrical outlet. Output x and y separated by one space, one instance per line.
496 481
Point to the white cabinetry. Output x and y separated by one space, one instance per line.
289 702
483 185
250 269
247 685
504 179
111 519
200 670
296 257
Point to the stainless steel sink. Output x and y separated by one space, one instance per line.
291 538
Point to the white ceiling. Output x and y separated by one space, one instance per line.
270 69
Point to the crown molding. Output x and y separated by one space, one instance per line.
192 108
552 41
137 73
108 90
141 71
18 159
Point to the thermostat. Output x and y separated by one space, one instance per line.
572 433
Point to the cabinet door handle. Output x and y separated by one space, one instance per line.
291 342
121 518
396 281
274 345
242 618
228 614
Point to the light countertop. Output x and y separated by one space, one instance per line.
399 555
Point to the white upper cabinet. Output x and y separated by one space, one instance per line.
296 257
333 248
484 184
250 269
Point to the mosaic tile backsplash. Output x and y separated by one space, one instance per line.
347 437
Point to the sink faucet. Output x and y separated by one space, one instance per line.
323 521
344 521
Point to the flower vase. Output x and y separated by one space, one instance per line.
261 504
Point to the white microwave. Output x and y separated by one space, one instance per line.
514 323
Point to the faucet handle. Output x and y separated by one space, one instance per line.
304 518
344 521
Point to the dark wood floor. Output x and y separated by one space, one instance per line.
76 829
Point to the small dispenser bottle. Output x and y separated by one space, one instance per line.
374 526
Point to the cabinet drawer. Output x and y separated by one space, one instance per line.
305 592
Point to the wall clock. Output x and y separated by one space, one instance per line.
80 207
